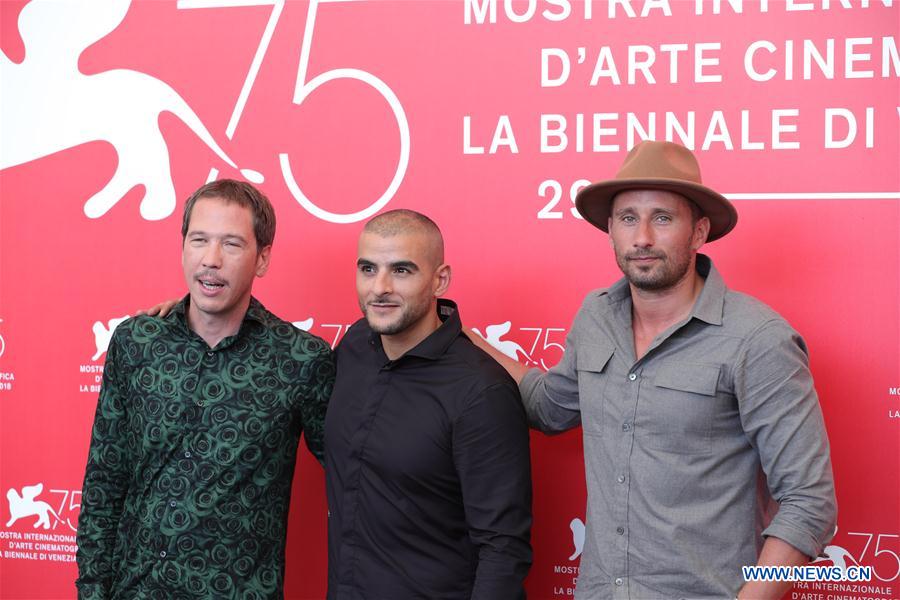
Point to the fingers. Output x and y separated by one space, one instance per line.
159 310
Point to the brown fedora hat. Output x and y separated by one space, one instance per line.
653 165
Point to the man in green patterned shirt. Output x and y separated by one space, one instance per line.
188 479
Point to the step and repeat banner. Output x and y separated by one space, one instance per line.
487 115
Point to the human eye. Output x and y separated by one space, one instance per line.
628 219
663 219
366 269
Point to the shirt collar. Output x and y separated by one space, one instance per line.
436 344
709 305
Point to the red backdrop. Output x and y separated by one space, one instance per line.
456 109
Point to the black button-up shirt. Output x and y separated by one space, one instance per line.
428 471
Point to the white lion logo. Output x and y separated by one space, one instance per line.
304 325
838 555
577 527
103 334
26 506
492 335
49 105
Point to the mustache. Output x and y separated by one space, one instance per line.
638 254
209 275
384 299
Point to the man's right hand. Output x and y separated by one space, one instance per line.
515 369
160 310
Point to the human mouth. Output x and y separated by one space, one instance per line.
211 285
381 307
643 258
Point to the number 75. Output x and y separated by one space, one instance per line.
304 88
879 551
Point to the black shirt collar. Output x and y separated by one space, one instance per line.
436 344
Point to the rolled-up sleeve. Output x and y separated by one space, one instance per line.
781 416
491 454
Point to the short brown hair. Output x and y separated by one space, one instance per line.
243 194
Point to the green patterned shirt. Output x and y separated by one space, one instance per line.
188 479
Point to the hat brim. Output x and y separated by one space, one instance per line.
595 201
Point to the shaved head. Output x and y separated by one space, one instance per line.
403 221
400 274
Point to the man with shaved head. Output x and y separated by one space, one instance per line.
427 463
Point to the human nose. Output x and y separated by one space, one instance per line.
383 283
643 237
212 255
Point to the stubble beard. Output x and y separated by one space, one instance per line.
662 275
408 316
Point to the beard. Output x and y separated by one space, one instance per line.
409 316
662 274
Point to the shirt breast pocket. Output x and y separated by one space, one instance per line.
682 404
592 362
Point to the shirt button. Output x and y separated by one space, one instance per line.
626 426
172 503
620 530
619 581
210 353
187 454
162 554
620 479
632 376
199 402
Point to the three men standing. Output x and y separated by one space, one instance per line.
705 448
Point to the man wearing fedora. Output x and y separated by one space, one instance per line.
705 447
